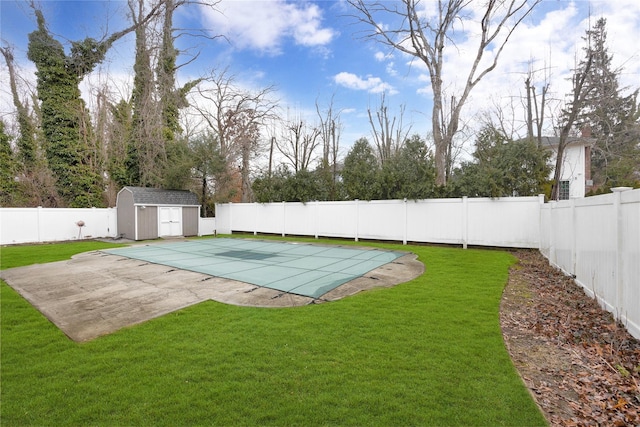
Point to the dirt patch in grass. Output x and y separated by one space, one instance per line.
581 366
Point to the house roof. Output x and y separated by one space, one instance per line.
553 141
159 196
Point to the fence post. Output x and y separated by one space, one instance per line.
317 218
552 234
255 218
404 238
284 217
357 218
574 237
619 267
465 221
39 224
540 213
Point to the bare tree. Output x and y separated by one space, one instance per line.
298 143
243 127
388 132
535 106
330 128
234 115
579 93
409 30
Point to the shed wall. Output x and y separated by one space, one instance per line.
190 218
126 215
147 222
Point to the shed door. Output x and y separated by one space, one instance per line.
170 221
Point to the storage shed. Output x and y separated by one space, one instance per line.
148 213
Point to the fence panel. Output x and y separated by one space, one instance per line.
382 220
338 219
597 240
244 218
435 221
33 225
629 260
562 242
506 222
300 218
509 222
223 218
595 246
206 226
545 235
19 225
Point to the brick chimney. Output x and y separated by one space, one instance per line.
586 131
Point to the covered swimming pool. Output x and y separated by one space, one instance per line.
298 268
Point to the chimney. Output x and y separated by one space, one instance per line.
586 131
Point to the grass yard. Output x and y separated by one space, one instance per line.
427 352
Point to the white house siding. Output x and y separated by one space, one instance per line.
573 169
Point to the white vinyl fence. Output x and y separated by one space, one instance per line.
597 240
36 225
33 225
506 222
206 226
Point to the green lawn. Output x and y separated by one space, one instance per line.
427 352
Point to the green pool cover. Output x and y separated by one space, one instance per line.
298 268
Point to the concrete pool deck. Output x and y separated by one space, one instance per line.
97 293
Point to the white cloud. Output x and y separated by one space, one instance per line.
549 43
391 69
264 25
307 26
381 56
551 46
370 84
390 66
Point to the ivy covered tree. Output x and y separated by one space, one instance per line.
143 136
118 146
69 144
36 184
26 144
8 170
65 122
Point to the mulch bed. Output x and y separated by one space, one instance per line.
581 366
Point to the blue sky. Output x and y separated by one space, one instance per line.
312 51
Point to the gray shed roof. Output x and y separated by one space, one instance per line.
158 196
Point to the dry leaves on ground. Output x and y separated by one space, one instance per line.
581 366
